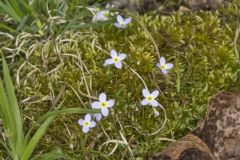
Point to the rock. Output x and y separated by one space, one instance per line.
216 138
165 7
187 148
205 4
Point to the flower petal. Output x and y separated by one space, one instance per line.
87 117
85 129
113 53
154 103
97 116
104 111
109 61
123 26
155 93
128 20
158 65
145 92
165 71
169 65
95 105
144 102
110 103
118 65
117 25
119 19
92 124
102 97
162 61
81 122
100 16
156 113
122 56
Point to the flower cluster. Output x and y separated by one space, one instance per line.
103 104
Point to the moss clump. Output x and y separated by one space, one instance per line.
199 44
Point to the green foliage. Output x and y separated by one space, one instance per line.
201 46
45 16
18 146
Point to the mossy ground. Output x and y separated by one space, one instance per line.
201 46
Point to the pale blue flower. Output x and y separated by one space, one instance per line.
101 16
150 98
122 23
103 104
97 116
86 123
164 66
156 113
116 59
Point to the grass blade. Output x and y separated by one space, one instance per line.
7 118
28 8
5 27
15 6
48 118
27 137
22 24
6 148
66 111
13 107
36 138
56 154
10 11
53 156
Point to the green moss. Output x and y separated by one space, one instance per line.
199 44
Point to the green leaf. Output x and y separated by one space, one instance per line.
88 25
27 8
67 110
10 11
15 6
36 138
53 156
7 118
22 24
3 26
13 107
48 117
56 154
6 148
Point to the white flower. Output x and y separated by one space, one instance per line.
164 66
116 59
103 104
101 16
86 123
150 98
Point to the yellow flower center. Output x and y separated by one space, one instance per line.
103 104
149 98
122 24
115 59
163 67
86 124
106 14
